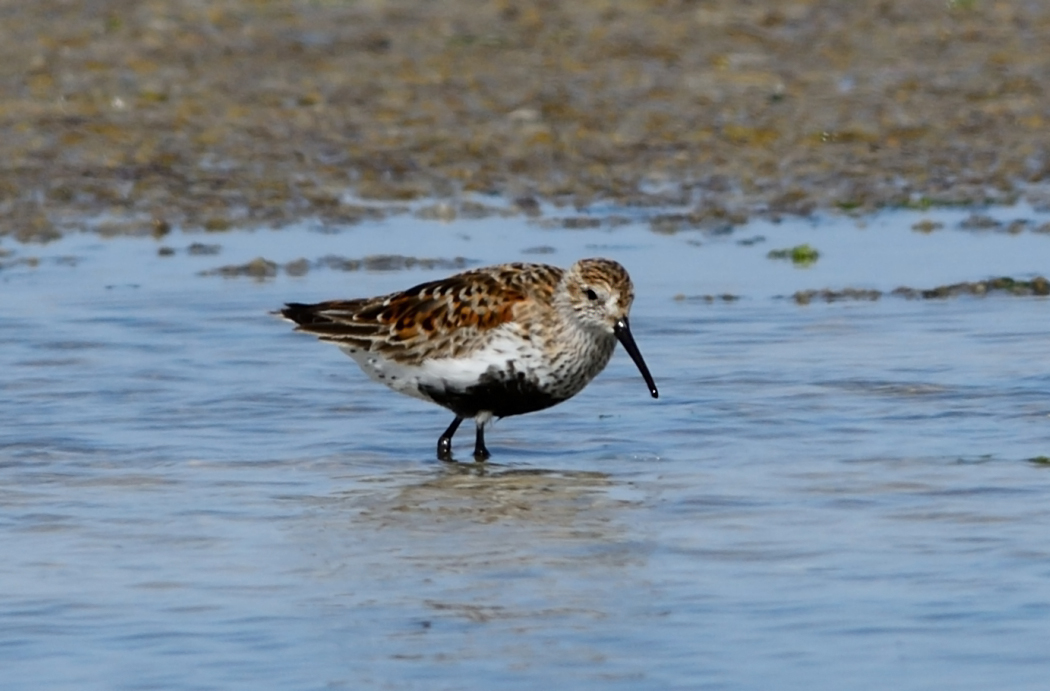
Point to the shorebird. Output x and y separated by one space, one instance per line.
492 342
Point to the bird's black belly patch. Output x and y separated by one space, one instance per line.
501 394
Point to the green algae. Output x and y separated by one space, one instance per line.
800 255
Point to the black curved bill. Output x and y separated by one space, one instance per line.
623 332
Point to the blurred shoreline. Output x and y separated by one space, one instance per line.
136 117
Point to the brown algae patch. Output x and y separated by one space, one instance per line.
261 268
1009 286
804 297
927 226
709 299
1038 286
238 113
981 222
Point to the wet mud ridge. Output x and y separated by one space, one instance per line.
1003 286
1038 286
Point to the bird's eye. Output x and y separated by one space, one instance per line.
591 295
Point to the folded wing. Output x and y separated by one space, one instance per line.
452 315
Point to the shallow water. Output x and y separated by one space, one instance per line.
824 497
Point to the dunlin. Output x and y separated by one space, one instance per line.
492 342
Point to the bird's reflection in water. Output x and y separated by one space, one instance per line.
487 493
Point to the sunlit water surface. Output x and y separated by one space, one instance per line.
824 497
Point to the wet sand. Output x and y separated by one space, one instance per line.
136 117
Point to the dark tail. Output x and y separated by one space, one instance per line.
302 314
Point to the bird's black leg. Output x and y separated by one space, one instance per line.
480 452
445 440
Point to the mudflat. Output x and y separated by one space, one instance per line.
135 117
